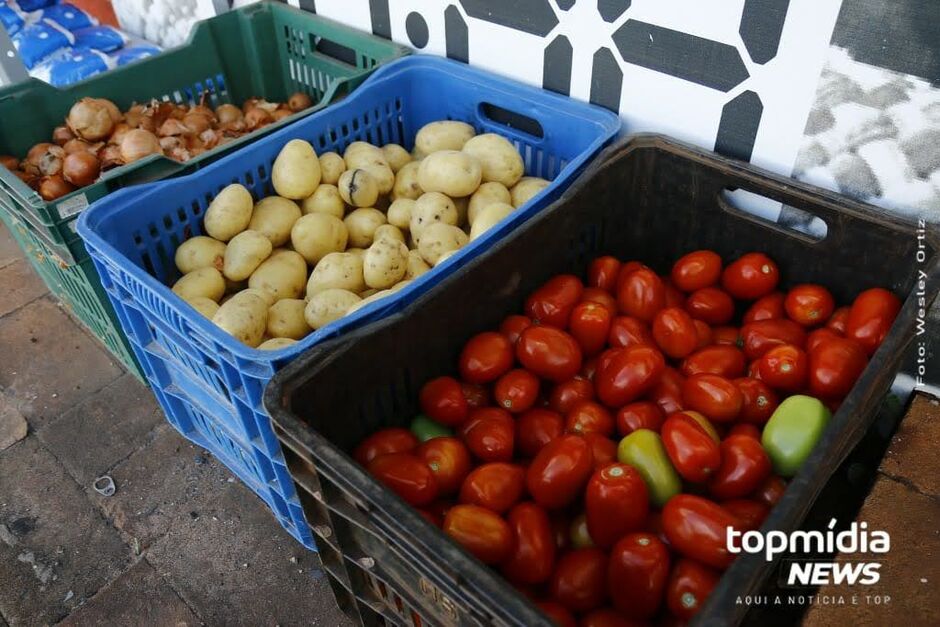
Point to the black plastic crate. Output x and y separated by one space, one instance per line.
647 198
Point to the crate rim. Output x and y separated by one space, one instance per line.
604 119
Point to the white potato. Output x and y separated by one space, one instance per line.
243 316
438 239
296 171
385 263
315 235
244 254
399 213
337 270
488 217
276 343
451 172
444 257
206 306
359 252
361 225
358 188
443 135
396 156
199 252
360 155
286 319
268 297
283 274
325 200
526 188
389 231
331 166
487 194
205 282
229 212
327 306
406 182
500 160
416 265
399 285
371 298
274 216
430 208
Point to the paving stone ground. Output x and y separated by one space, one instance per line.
181 542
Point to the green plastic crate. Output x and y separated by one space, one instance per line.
266 50
79 289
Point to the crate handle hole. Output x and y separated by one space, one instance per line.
804 224
516 121
334 50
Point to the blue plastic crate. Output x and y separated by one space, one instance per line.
132 236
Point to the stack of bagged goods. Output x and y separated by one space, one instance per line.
62 44
343 231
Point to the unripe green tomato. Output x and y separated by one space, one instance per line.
643 449
792 432
426 429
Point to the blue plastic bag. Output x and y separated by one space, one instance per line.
11 18
134 53
68 16
72 65
40 41
34 5
103 38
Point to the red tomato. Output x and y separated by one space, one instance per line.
784 368
704 333
627 374
711 305
431 517
759 337
697 528
689 586
603 449
726 335
550 353
768 307
817 337
626 270
589 417
745 428
486 357
561 529
559 471
481 532
580 580
674 332
616 502
770 491
567 394
674 298
744 466
590 326
496 486
834 367
603 273
751 514
516 391
551 304
407 476
637 573
712 395
477 395
628 331
727 361
639 415
750 277
642 294
760 400
536 428
394 440
690 448
667 392
870 318
513 326
532 559
557 613
696 270
838 320
606 617
489 433
449 461
809 305
601 297
442 400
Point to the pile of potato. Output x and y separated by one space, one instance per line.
344 231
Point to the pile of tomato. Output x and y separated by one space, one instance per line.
596 448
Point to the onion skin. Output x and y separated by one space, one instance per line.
62 135
197 122
81 168
110 157
256 118
34 157
113 111
137 144
90 119
50 163
280 114
299 101
53 187
228 113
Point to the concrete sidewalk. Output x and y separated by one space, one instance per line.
181 542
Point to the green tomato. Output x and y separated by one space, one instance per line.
426 429
792 432
580 536
643 449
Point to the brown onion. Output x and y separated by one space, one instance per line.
61 135
51 161
9 162
210 138
234 128
202 109
197 122
280 114
90 119
35 157
249 104
113 111
110 157
27 178
299 101
228 113
270 107
137 144
52 187
120 130
81 168
172 127
257 117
